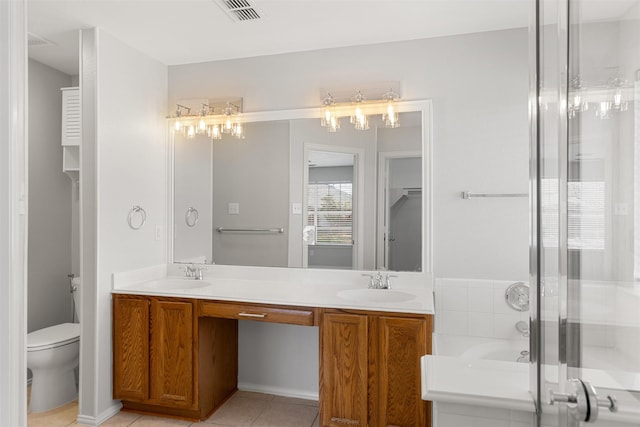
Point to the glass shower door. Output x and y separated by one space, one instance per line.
586 237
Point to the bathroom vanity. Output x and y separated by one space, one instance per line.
175 351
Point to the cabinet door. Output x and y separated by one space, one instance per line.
343 370
397 345
172 377
130 349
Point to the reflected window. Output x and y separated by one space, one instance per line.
330 213
586 215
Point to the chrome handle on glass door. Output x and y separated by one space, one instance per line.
584 399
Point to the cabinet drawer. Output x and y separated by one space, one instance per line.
258 312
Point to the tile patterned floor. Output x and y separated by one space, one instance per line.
243 409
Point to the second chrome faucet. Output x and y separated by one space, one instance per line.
379 280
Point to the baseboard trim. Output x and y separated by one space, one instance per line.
279 391
86 420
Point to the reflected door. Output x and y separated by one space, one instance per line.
587 233
402 221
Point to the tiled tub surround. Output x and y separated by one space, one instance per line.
476 308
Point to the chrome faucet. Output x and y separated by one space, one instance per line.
193 272
523 328
379 281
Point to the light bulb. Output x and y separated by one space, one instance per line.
228 125
390 117
191 132
202 126
214 132
237 131
334 124
178 125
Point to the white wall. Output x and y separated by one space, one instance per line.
50 202
479 87
13 218
129 139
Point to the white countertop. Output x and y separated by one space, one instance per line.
281 286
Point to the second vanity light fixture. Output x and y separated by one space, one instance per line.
214 119
358 109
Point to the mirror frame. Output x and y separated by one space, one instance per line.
422 106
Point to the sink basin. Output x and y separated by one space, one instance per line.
375 295
175 284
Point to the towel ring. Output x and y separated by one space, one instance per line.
143 217
191 217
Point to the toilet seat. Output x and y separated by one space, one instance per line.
53 336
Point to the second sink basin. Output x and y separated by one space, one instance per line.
176 284
375 295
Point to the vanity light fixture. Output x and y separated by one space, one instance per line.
214 119
360 107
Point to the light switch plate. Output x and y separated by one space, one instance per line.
296 208
233 208
621 209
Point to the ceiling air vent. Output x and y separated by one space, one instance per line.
240 10
34 40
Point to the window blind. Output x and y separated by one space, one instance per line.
330 212
586 214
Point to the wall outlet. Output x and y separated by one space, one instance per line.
233 208
296 208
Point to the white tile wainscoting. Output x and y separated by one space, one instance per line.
475 308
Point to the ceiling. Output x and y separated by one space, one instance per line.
188 31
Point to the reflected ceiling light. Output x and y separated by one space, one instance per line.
614 96
577 102
617 85
604 110
214 120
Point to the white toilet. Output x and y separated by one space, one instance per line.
52 356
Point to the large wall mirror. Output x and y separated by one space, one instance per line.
291 194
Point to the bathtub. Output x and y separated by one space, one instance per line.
481 348
461 361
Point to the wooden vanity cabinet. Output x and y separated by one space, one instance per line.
157 365
370 369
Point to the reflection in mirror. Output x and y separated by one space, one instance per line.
403 214
329 229
322 189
